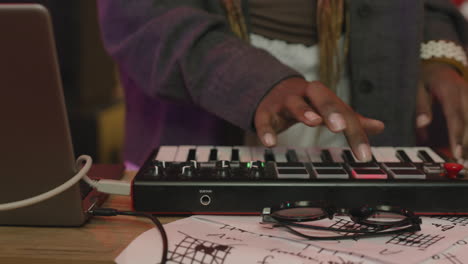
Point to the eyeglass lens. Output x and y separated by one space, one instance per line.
310 213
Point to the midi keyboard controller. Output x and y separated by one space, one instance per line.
243 180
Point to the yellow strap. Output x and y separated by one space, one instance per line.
236 18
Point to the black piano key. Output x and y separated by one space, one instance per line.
235 154
213 154
422 154
192 155
348 156
269 155
326 156
401 155
291 156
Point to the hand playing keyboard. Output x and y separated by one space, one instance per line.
296 100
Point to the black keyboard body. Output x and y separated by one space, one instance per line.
241 187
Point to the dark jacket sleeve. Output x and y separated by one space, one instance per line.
184 49
443 21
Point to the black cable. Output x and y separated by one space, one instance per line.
114 212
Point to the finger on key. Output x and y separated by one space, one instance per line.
339 117
357 139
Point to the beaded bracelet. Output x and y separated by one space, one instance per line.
446 52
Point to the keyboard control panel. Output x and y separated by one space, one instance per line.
242 179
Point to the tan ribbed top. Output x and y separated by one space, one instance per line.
293 21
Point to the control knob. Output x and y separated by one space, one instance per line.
453 169
256 170
190 171
223 169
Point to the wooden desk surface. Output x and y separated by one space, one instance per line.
99 241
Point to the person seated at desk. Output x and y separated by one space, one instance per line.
295 72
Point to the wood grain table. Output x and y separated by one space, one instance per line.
100 240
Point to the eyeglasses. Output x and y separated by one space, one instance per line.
367 221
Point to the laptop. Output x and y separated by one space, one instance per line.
36 152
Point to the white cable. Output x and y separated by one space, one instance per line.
111 186
107 186
55 191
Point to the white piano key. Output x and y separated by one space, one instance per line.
412 154
166 153
385 154
244 153
182 153
336 154
314 154
203 153
301 154
224 152
257 153
377 155
280 154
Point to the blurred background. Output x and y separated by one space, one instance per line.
92 92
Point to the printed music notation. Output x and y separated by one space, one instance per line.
234 239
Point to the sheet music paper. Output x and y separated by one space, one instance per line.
241 239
